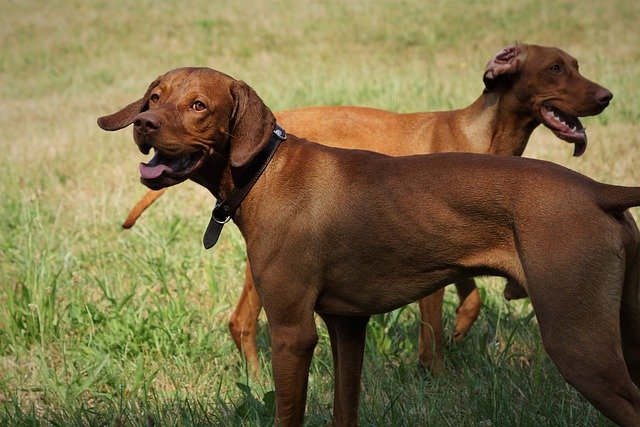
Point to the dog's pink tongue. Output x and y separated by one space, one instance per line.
579 148
151 172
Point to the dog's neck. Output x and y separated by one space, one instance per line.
233 185
498 120
215 175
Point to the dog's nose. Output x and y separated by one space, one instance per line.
604 96
146 123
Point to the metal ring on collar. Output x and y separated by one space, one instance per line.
225 209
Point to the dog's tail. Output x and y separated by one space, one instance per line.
617 198
141 206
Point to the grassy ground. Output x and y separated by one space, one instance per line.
104 326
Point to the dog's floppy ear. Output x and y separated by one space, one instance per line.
124 117
251 124
505 62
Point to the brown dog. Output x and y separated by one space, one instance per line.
525 85
349 233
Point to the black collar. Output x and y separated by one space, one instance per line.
224 210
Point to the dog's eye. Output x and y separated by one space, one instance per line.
154 97
198 105
555 68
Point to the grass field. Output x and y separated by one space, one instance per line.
100 326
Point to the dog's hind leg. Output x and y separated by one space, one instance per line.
347 334
580 327
243 324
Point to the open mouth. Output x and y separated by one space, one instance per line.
565 127
163 171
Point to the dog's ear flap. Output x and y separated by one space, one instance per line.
124 117
505 62
251 124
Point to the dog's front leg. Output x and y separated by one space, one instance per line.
293 339
630 302
630 329
630 320
468 309
347 334
430 334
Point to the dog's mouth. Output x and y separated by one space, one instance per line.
566 127
162 171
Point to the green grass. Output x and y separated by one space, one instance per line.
100 326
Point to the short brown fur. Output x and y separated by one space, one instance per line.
518 83
349 233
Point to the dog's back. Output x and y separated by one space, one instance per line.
450 204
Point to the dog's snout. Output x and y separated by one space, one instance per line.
604 96
146 123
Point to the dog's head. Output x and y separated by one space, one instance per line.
190 114
548 85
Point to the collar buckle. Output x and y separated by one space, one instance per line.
221 213
280 133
